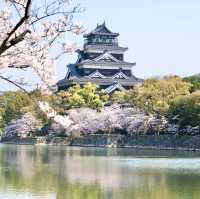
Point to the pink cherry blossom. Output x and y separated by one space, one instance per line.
31 29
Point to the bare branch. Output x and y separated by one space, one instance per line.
19 67
14 83
54 12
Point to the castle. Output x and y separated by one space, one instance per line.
101 62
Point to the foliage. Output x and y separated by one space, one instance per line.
76 97
155 95
14 105
195 81
185 111
166 97
2 121
120 97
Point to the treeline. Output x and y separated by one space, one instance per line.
175 98
14 105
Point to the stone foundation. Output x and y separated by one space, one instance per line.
134 141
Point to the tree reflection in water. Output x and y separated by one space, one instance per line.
76 173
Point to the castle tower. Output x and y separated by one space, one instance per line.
101 62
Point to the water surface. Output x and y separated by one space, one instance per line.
47 172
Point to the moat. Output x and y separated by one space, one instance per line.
58 172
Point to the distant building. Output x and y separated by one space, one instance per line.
101 62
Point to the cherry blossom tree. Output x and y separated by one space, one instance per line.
63 121
30 30
113 118
22 126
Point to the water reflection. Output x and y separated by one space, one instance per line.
76 173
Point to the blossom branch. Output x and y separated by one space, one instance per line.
3 46
41 27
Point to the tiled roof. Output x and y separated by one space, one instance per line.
114 87
104 47
102 30
77 78
96 74
72 71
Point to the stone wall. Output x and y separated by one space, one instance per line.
15 140
136 141
163 141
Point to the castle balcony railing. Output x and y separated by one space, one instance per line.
101 41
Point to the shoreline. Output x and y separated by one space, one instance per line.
140 142
107 147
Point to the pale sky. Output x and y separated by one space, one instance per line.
163 36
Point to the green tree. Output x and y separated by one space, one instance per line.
155 95
120 97
186 110
195 81
75 97
15 104
2 120
12 104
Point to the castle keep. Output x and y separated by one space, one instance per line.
101 62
